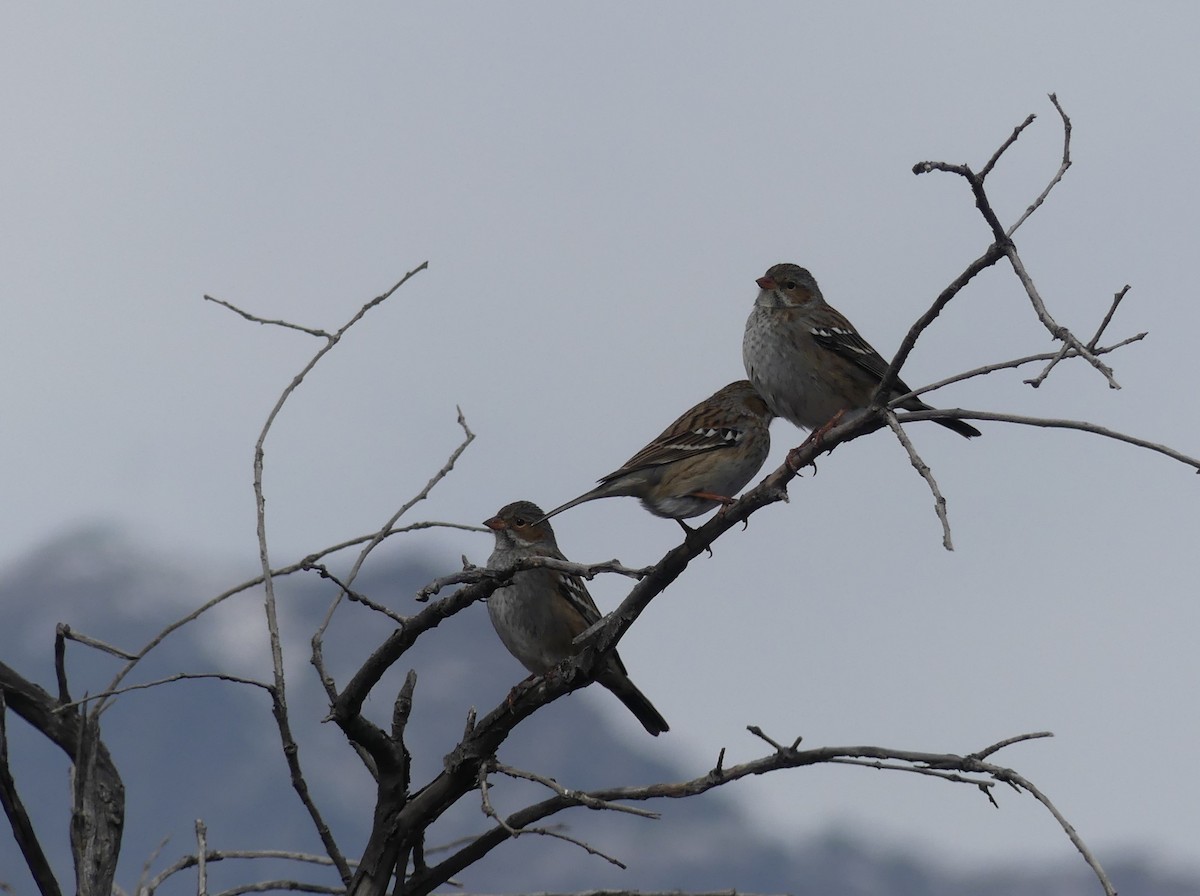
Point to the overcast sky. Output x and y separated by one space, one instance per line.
596 189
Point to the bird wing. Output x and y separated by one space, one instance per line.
572 588
846 342
676 446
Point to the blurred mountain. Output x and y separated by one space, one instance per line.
208 749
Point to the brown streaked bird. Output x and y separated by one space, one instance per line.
698 462
541 612
807 361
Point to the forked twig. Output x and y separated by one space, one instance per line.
939 502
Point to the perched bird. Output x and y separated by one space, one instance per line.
807 361
700 461
541 612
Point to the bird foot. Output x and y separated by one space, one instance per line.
816 440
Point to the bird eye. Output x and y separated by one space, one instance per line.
789 284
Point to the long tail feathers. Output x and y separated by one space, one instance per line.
636 702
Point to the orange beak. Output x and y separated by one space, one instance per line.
765 282
495 524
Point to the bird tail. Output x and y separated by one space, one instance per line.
635 701
606 489
962 427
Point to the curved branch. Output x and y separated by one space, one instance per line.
279 707
1052 423
948 766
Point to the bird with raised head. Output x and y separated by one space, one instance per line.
807 361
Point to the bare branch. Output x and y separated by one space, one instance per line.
577 795
515 832
18 818
1012 364
344 590
1012 138
473 574
291 749
280 572
968 769
939 502
201 858
178 676
1056 330
920 770
148 887
1062 168
1051 423
269 886
1112 309
888 382
259 320
71 635
447 467
1008 742
1002 242
144 877
1067 351
1017 780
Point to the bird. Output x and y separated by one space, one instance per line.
807 361
540 612
698 462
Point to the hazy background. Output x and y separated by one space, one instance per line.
596 190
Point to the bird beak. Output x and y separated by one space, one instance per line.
495 524
765 283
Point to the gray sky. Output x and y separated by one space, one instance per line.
596 190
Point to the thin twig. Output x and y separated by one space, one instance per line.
279 706
486 802
1002 242
447 467
279 572
516 831
472 574
178 676
1051 423
1008 365
71 635
344 590
939 502
270 886
144 878
1112 309
968 769
1008 742
918 770
1056 330
1062 168
1068 828
577 795
259 320
148 887
1012 138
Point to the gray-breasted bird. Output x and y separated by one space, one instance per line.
540 613
807 361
